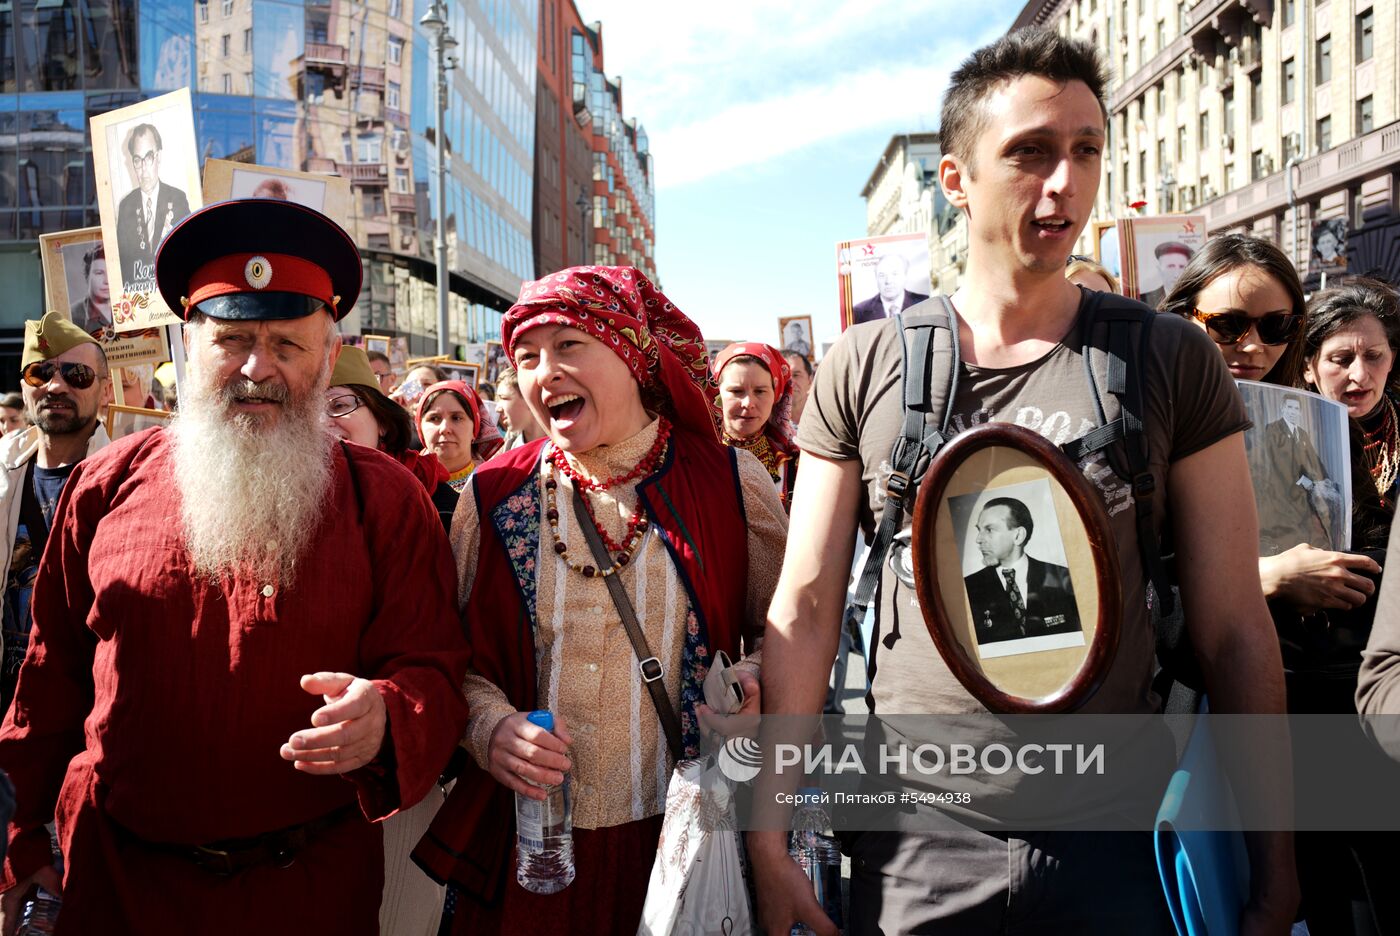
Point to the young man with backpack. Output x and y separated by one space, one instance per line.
1022 137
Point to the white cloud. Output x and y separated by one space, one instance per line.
731 84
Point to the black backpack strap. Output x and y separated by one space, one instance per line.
1126 382
929 365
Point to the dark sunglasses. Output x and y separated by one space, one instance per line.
1230 328
77 376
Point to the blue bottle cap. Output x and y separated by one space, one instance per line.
542 717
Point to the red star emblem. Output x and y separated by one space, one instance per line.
868 250
1188 227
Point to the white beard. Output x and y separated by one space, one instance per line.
251 497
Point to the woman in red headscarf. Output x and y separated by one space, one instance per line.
457 428
755 400
693 531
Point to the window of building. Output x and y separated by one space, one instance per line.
1142 171
1126 188
203 7
1181 142
223 45
1289 147
228 8
1206 191
1142 50
248 40
1177 76
1203 133
395 50
1161 155
1289 13
1288 90
1227 124
317 29
228 83
401 181
1324 134
1161 98
1161 34
371 147
395 9
1365 114
1256 166
1365 35
1323 57
372 203
1256 97
391 95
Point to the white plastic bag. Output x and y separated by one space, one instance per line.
697 882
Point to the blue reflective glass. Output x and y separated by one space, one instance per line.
277 135
224 126
167 44
279 41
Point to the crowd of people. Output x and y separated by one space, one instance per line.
269 668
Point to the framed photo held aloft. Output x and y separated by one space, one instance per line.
328 194
147 169
878 276
380 343
496 361
795 334
1154 251
1299 453
126 420
76 284
1106 253
1016 571
466 371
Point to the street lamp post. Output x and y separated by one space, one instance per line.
440 35
582 204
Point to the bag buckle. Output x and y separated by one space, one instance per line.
1144 485
897 485
651 669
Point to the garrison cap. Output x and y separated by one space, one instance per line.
50 336
258 258
352 368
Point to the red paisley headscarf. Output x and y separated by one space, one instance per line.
486 435
780 430
621 308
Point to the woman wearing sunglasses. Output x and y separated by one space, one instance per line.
360 412
1245 293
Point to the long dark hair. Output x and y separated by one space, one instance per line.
395 425
1225 253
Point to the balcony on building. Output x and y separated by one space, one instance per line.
365 174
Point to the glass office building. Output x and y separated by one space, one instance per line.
324 86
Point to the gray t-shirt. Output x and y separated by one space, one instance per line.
855 412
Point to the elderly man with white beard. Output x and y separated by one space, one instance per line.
234 617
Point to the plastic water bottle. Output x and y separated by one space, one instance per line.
40 914
545 832
816 852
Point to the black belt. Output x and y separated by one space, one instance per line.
231 856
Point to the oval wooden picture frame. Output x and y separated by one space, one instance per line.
1045 675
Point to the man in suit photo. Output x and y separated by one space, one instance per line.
1014 595
147 213
1172 257
892 296
1288 469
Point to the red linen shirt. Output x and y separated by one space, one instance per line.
172 694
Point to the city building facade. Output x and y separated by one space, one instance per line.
902 195
1262 115
596 197
332 86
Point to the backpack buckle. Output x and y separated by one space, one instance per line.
897 485
1144 485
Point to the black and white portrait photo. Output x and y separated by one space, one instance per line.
147 169
796 335
1300 464
1018 582
1329 247
880 276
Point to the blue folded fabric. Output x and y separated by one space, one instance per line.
1205 871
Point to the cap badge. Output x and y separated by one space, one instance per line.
258 272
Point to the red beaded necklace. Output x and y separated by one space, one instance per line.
636 524
643 468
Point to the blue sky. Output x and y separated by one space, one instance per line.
766 118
